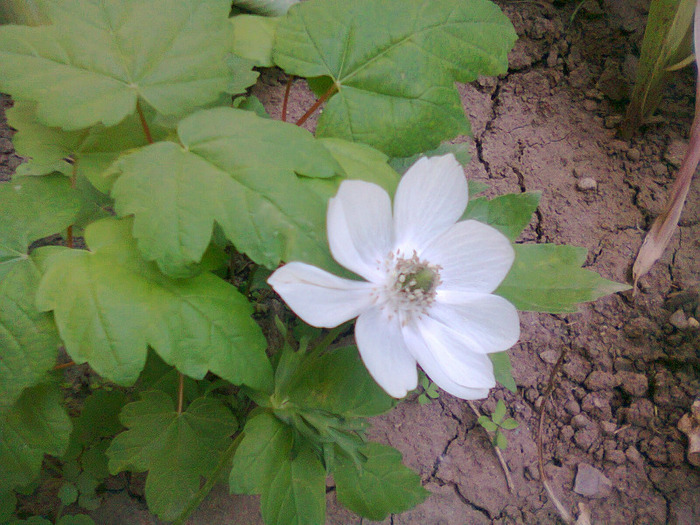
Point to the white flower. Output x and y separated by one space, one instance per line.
427 296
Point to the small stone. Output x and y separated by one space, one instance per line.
634 154
587 184
609 428
591 482
550 356
531 394
580 421
566 433
679 320
590 105
615 456
634 456
599 380
675 152
634 384
572 407
693 324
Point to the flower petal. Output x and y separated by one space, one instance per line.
483 323
474 257
360 227
436 373
442 348
384 353
320 298
431 197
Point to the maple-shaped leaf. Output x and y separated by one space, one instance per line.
99 58
35 425
394 64
109 305
82 153
31 208
175 449
234 168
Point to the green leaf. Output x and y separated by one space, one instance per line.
109 305
251 103
67 493
359 162
460 151
502 369
253 37
175 449
34 520
486 422
500 440
266 445
86 153
382 486
510 424
95 461
167 53
36 425
509 214
499 413
395 87
8 501
549 278
266 7
99 417
242 74
295 493
338 382
31 208
234 168
76 519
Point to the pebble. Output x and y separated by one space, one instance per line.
572 407
634 456
590 105
693 324
633 384
599 380
580 421
634 154
615 456
679 320
591 482
550 356
675 152
609 428
586 184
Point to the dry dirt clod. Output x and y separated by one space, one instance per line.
689 424
675 152
591 482
679 320
586 184
633 384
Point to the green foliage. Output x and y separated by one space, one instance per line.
176 449
234 168
502 369
395 89
253 37
380 486
170 62
666 43
509 214
36 425
430 389
497 423
109 304
460 151
549 278
31 208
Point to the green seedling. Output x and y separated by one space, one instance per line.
496 424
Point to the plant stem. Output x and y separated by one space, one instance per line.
286 97
144 124
496 450
211 481
332 336
63 365
317 104
180 391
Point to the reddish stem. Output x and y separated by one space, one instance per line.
144 124
64 365
317 104
290 80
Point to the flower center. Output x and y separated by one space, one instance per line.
411 284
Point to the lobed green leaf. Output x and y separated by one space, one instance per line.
99 58
239 170
381 486
35 425
509 213
549 278
109 305
253 36
394 65
176 449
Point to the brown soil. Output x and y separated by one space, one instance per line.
627 374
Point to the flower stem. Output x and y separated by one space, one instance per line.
317 104
290 80
144 124
211 481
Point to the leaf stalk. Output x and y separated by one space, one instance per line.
331 90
